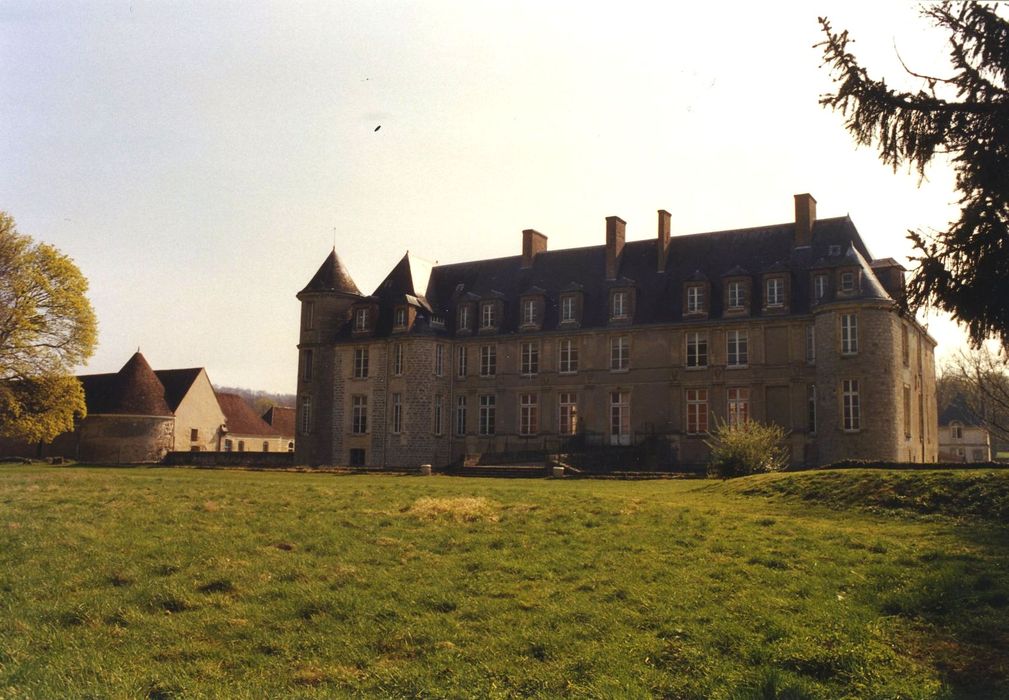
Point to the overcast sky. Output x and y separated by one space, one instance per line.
198 160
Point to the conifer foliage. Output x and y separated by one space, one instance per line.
965 269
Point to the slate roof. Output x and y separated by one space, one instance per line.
282 419
133 390
332 276
177 383
958 411
241 419
659 295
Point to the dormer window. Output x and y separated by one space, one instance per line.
736 296
834 250
819 287
361 320
956 431
399 318
437 321
695 299
567 309
847 282
775 292
309 315
618 305
528 312
488 315
463 318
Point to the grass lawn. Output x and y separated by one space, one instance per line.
175 582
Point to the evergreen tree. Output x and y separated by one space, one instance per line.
965 269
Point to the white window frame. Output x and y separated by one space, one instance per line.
851 410
848 283
849 334
488 315
699 341
462 320
810 344
738 405
567 413
359 414
618 305
819 287
399 318
460 415
361 319
737 296
620 418
397 360
529 358
567 356
774 289
488 360
737 349
697 411
439 360
568 308
695 299
528 312
488 411
461 361
361 362
529 423
620 353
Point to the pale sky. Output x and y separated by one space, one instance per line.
194 158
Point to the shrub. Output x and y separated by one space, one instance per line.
746 448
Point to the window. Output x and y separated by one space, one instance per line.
290 446
357 457
567 309
620 418
567 356
810 343
697 411
241 445
460 415
461 357
437 321
266 446
618 305
528 414
400 319
697 349
620 353
397 360
397 413
736 349
194 448
819 287
851 416
833 250
463 319
309 315
487 316
360 363
530 358
306 365
194 434
227 445
905 347
847 281
567 413
439 360
361 320
487 409
437 414
306 415
811 409
359 415
739 406
907 411
695 299
956 431
775 291
528 312
737 296
849 334
488 361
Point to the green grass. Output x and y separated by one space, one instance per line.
162 583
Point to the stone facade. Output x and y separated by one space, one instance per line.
620 344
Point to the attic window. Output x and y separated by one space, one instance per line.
487 316
695 299
956 431
361 320
834 250
847 281
438 321
618 305
400 321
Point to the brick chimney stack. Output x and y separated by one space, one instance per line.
805 217
533 243
614 245
662 244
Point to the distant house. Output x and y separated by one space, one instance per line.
281 418
962 435
137 415
244 430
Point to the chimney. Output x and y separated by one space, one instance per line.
805 217
614 245
533 243
662 244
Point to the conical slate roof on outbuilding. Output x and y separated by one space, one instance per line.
332 276
136 390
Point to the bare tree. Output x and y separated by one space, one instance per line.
980 378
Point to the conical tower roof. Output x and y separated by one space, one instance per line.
332 276
137 390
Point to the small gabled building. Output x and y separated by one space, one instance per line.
963 436
281 419
244 431
624 343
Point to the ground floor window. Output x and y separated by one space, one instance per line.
738 405
567 412
460 415
528 414
620 418
851 409
359 415
488 408
357 457
697 411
